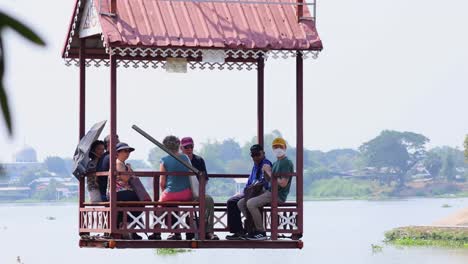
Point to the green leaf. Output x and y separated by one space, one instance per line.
3 97
8 22
23 30
5 109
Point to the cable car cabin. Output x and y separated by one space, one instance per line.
180 35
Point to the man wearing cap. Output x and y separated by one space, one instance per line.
187 146
281 166
104 165
257 174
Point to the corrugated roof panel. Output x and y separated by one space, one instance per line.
162 23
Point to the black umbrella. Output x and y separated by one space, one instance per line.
81 156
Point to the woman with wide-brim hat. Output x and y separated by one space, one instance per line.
123 188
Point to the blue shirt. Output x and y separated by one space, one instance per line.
257 169
103 163
176 183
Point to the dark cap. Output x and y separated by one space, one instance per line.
256 148
108 137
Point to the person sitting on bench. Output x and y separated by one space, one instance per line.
177 188
123 188
255 204
95 155
236 204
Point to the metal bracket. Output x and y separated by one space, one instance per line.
307 18
105 13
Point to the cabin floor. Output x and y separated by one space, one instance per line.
100 242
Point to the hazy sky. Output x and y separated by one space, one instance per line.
399 65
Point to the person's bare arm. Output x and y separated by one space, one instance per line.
267 171
283 181
162 178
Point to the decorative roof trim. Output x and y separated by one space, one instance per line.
73 27
149 53
196 53
154 64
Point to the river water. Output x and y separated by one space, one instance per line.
335 232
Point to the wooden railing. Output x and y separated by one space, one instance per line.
159 217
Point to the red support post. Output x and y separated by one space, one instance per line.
156 188
202 206
274 208
113 153
82 87
300 139
81 132
260 99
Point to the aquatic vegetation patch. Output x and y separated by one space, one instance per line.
170 251
376 248
428 236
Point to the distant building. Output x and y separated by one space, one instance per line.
65 193
66 187
14 193
15 167
25 159
45 181
25 154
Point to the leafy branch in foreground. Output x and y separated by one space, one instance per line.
7 21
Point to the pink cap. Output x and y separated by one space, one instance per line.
186 141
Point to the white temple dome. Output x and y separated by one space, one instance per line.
26 154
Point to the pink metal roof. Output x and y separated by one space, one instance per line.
163 24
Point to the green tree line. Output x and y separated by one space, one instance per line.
392 158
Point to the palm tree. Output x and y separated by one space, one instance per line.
7 21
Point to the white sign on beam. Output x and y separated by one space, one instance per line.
89 25
176 65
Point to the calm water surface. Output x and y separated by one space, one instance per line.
335 232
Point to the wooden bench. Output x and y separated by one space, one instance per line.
171 203
143 203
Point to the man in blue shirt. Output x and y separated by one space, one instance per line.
233 213
254 205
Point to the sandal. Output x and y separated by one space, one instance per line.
174 237
135 236
154 236
211 236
